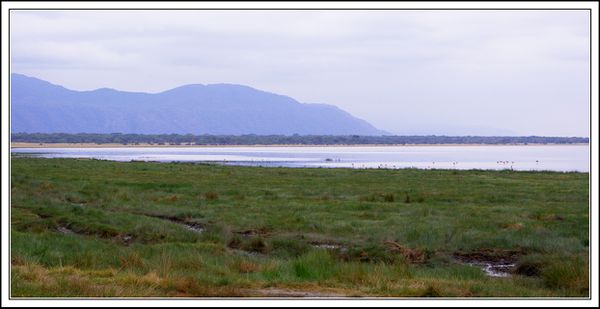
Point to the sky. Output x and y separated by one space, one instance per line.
406 72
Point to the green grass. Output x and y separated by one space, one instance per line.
125 233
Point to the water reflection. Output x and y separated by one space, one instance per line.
531 157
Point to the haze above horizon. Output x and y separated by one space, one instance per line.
406 72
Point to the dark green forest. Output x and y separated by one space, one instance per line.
167 139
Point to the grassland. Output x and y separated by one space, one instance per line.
99 228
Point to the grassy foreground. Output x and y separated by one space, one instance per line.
99 228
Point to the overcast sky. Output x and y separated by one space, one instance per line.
407 72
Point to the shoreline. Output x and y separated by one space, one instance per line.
145 145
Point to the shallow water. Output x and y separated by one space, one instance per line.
65 230
495 270
518 157
193 227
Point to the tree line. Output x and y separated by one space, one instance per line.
252 139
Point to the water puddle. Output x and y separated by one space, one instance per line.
494 263
194 227
125 239
64 230
495 270
328 246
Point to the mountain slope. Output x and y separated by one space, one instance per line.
39 106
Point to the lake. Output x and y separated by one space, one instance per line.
516 157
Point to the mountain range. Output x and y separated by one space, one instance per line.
38 106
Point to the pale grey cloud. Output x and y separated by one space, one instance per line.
408 72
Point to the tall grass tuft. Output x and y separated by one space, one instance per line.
571 274
315 265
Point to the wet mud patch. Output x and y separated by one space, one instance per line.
185 222
494 262
43 216
547 217
124 239
194 227
247 253
263 232
250 247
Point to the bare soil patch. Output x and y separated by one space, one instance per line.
277 292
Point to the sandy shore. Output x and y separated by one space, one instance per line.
114 145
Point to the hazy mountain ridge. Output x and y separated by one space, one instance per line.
39 106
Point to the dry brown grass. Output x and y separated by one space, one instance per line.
244 266
131 260
211 195
513 226
415 256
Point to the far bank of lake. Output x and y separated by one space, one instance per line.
564 158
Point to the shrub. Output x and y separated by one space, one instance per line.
257 244
385 197
529 266
270 195
211 195
389 197
367 198
235 243
325 197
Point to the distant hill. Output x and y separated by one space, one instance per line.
39 106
